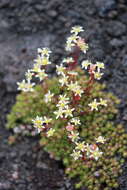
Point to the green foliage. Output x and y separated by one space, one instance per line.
93 174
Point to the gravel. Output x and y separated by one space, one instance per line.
26 25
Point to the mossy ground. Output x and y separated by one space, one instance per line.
96 175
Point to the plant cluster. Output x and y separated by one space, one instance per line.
73 116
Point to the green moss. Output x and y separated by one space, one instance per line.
93 174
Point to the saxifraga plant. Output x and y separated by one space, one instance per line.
74 117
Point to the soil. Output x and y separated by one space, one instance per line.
26 25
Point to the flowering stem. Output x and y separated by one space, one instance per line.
89 84
75 56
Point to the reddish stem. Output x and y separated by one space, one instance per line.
90 84
75 56
76 99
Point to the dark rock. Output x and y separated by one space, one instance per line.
104 6
10 82
123 18
52 13
98 54
4 24
62 188
28 24
115 28
116 43
39 7
68 184
13 154
5 186
4 3
112 14
42 166
51 69
2 156
124 62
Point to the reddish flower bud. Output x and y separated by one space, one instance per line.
92 68
76 97
70 127
93 147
